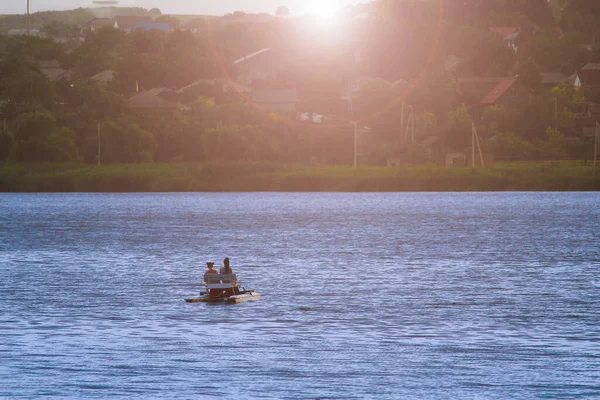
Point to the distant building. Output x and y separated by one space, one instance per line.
509 35
508 93
53 71
161 26
97 23
127 23
104 78
588 77
226 86
157 99
553 79
24 32
473 89
277 100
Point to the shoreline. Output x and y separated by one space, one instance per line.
273 177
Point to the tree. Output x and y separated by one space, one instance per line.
38 139
5 144
126 143
530 75
283 11
227 144
458 131
60 29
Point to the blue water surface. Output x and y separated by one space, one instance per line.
365 296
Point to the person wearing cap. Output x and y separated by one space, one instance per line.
210 271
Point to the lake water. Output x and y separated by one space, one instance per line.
365 296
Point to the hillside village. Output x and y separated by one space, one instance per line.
383 83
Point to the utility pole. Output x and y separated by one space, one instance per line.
596 134
28 23
473 145
355 162
99 147
412 125
402 121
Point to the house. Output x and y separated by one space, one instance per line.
25 32
97 23
588 77
276 100
260 65
161 26
226 86
127 23
472 89
157 99
508 93
56 74
104 78
509 35
53 71
553 79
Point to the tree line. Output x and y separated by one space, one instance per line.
404 42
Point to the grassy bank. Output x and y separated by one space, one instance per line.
240 177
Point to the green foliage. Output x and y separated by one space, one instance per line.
231 143
458 131
529 75
61 29
125 143
554 147
26 86
6 141
37 138
495 119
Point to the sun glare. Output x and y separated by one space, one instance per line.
325 9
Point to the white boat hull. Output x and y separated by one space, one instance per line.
235 299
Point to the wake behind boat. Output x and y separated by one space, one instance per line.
224 288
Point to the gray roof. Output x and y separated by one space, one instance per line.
151 99
104 76
227 85
553 78
275 96
591 67
56 74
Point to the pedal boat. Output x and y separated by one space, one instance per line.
224 288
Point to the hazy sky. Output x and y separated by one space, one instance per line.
216 7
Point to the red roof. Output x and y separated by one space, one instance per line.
504 31
498 91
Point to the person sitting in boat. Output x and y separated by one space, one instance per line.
210 271
226 270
